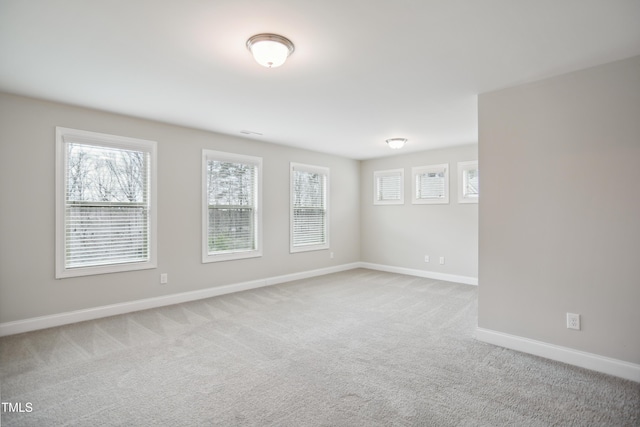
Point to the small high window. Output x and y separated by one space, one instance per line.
431 184
388 187
468 182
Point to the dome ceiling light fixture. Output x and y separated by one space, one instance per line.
396 143
270 50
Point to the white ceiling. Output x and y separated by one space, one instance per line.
363 70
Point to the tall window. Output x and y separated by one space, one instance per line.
468 182
431 184
105 203
309 207
231 206
388 187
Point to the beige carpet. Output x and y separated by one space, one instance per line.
358 348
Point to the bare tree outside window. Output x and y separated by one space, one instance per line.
107 212
309 208
231 206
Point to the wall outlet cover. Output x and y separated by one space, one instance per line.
573 321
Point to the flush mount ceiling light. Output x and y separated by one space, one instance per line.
396 143
270 50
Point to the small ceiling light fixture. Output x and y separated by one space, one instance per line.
396 143
270 50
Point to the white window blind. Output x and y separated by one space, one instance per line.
431 184
309 207
388 187
105 203
469 182
231 206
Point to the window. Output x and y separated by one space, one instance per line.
388 187
231 206
468 184
105 203
309 208
431 184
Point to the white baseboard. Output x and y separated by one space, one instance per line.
421 273
591 361
607 365
43 322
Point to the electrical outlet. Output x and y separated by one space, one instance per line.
441 260
331 255
164 278
573 321
426 258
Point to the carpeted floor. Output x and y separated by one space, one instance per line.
358 348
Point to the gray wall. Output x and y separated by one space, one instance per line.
401 235
560 210
27 141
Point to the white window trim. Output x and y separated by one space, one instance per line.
312 169
67 135
232 255
462 168
420 170
389 172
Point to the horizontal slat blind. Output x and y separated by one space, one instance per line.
309 205
232 206
106 205
430 185
471 183
389 187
